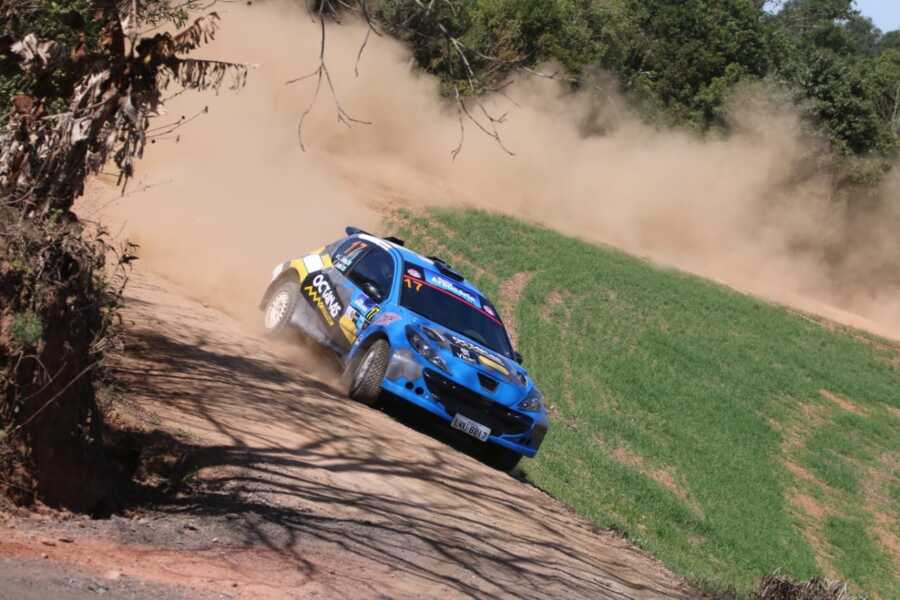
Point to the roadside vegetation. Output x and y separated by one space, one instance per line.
727 436
78 84
680 64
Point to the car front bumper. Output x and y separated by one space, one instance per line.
405 378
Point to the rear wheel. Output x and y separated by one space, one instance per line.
501 458
280 307
365 385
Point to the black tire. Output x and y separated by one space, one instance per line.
368 373
501 458
280 307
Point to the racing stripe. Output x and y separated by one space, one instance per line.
300 267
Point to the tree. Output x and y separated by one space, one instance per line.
685 55
889 41
829 54
885 81
80 83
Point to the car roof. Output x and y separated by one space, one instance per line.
413 257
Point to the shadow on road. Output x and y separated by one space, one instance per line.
299 463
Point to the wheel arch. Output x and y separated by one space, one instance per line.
366 343
289 274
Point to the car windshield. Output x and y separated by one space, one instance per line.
423 294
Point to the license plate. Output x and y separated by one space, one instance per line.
467 425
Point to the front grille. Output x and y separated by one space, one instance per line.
487 383
460 399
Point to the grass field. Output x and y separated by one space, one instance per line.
726 436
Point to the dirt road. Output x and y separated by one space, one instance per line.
295 491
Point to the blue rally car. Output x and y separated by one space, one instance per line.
413 327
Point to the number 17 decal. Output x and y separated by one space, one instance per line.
410 282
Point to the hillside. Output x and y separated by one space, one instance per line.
727 436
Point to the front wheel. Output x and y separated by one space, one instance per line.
280 307
501 458
369 372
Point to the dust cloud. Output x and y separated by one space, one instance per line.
236 195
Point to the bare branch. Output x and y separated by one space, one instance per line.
491 129
462 127
322 72
360 53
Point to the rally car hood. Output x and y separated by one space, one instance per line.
473 365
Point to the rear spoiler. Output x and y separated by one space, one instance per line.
350 230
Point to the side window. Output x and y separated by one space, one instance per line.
348 253
376 268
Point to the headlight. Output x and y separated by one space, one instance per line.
435 336
533 401
425 349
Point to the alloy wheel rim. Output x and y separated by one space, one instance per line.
277 309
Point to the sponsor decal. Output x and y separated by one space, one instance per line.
448 286
387 318
343 263
468 345
463 354
470 352
361 304
414 273
321 294
346 257
372 312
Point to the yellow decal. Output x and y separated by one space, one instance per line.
492 364
326 260
314 296
348 327
372 312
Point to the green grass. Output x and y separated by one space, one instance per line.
678 405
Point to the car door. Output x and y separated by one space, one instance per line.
367 274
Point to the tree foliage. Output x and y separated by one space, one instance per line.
684 56
79 83
678 61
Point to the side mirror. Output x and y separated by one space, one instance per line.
517 356
371 290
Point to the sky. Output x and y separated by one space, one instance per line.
885 13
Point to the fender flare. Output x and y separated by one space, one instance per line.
370 338
287 274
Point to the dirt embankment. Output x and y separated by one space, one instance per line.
288 489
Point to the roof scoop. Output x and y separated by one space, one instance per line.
446 269
351 230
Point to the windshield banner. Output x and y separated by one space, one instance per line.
448 285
